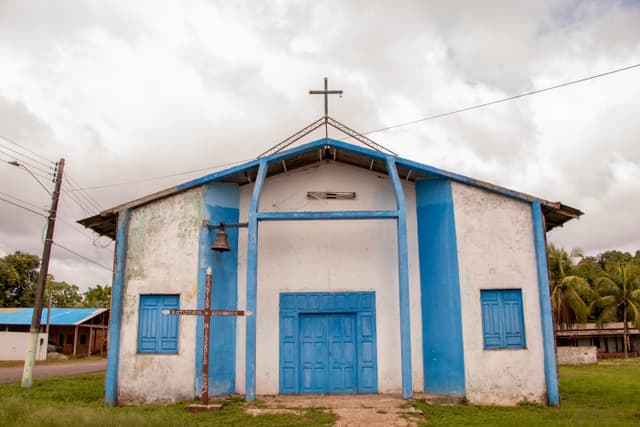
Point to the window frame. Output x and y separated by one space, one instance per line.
503 324
155 342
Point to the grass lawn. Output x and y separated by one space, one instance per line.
606 394
78 401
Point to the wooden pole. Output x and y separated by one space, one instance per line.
34 331
205 350
75 342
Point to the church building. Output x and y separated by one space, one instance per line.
360 272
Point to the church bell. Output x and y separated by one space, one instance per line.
221 244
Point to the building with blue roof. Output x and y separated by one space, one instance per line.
71 331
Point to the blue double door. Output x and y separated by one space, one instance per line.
328 353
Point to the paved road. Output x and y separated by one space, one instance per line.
14 374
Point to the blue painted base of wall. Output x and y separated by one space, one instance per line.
443 352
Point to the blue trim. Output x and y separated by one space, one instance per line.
113 358
360 304
548 340
367 152
252 283
442 343
403 280
220 203
310 216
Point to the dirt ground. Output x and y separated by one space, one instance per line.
352 410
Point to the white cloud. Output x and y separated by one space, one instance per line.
125 91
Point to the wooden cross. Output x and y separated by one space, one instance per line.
207 313
326 92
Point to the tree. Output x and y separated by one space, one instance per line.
62 294
610 257
618 291
569 293
588 268
100 296
18 277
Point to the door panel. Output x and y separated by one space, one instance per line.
328 353
313 353
342 351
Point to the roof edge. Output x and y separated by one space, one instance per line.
109 214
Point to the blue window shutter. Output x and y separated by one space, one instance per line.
168 334
513 319
502 318
157 332
491 319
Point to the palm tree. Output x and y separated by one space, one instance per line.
568 291
618 289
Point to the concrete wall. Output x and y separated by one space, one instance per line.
577 355
329 256
496 251
162 258
14 346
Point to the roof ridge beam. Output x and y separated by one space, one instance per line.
293 138
358 136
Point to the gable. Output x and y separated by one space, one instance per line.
328 150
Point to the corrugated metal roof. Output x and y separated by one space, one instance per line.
59 316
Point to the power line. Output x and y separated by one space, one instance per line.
75 199
23 201
22 207
25 148
83 194
163 176
26 162
497 101
82 256
94 240
35 176
26 156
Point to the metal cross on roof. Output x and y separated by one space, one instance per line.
326 121
326 92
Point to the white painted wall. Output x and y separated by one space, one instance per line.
496 251
162 258
14 345
330 256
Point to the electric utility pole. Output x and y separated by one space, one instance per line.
30 359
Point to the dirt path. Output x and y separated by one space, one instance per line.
352 410
66 368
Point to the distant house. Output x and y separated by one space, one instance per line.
71 331
609 339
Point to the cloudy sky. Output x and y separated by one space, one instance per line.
129 91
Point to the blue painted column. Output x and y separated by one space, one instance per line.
442 344
220 203
403 280
252 282
548 339
113 358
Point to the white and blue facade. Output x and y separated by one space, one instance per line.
425 282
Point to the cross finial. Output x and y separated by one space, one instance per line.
326 92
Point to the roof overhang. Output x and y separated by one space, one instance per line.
326 149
